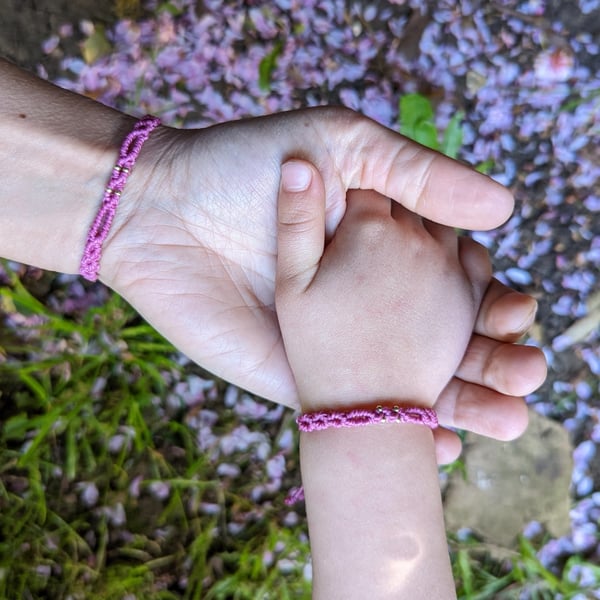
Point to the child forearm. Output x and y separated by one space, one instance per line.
375 514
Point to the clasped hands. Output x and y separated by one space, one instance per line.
195 250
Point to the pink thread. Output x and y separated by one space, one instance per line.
317 421
359 417
130 150
295 495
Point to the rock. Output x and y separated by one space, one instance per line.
505 485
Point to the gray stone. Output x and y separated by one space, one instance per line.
505 485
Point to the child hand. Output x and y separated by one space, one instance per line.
383 312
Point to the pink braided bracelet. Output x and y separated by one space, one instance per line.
358 417
130 150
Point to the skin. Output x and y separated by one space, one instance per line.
410 292
194 243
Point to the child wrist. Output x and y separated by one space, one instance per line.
381 413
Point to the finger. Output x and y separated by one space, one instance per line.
475 260
505 314
476 263
426 182
301 224
481 410
511 369
447 445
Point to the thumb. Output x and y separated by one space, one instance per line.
301 224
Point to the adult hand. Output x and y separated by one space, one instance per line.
194 247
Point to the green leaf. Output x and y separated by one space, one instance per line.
95 46
414 109
485 167
453 136
35 387
71 450
170 8
426 134
267 66
466 573
532 563
416 120
19 299
16 427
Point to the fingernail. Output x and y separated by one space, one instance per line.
295 176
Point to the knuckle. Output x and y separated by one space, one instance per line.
297 220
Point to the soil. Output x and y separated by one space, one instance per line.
25 24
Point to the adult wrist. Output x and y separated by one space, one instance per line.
56 155
103 221
152 181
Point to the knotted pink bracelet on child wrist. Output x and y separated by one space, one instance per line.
358 417
130 150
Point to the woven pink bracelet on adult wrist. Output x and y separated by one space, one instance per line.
359 417
130 150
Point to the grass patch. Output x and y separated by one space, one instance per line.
105 489
519 575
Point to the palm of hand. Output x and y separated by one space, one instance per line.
201 264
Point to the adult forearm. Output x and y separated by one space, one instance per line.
57 150
375 514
